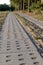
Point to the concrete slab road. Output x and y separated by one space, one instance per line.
16 48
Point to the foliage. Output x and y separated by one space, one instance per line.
35 6
41 6
24 4
4 7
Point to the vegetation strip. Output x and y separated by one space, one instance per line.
32 32
2 17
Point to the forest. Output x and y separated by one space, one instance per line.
27 4
31 7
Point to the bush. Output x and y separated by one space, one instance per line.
41 6
35 6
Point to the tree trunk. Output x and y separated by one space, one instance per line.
28 5
23 5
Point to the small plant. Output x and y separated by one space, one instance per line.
37 37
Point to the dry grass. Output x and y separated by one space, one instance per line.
36 16
28 29
2 17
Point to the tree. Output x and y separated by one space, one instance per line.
4 7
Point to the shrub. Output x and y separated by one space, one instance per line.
41 6
35 6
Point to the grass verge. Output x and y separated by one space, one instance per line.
34 35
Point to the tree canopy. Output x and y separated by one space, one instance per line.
5 7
